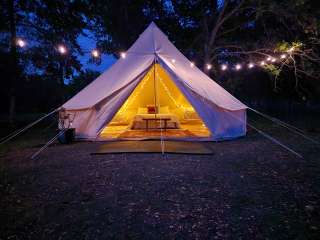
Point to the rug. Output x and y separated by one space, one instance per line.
176 133
153 147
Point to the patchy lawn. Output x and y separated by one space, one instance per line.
249 189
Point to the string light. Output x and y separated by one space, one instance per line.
123 55
127 104
168 92
291 50
224 67
20 42
95 53
283 56
62 49
250 65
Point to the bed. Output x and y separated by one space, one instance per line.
151 120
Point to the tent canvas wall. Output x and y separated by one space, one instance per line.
93 108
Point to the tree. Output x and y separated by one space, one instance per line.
224 31
43 24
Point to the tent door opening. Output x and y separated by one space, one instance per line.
156 108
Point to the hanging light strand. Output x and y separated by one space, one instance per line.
63 50
168 92
127 104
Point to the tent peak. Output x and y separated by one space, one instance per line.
151 41
152 24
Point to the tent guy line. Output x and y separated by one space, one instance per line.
163 150
21 130
275 141
285 125
48 143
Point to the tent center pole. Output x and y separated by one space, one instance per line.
154 86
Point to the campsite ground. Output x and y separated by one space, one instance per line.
249 188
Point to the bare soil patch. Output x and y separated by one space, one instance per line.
249 189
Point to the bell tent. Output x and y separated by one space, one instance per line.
153 91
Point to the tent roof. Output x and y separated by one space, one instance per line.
151 44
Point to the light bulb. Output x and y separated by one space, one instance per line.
62 49
123 55
224 67
238 66
283 56
95 53
20 42
291 50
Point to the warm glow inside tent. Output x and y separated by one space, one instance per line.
175 117
155 92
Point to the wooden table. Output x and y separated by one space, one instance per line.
156 120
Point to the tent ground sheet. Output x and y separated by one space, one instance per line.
178 147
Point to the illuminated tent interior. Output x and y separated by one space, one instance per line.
156 108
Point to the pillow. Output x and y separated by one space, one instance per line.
151 109
142 110
164 109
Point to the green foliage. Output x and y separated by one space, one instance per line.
286 46
272 69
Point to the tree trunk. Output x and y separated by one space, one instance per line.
14 60
62 87
12 106
206 59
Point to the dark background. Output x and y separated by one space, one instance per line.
36 79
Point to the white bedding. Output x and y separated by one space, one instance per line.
139 123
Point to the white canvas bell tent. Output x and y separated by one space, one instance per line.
154 72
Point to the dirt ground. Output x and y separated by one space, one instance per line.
249 188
